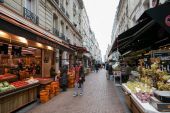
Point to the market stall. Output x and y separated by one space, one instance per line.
147 46
137 106
17 94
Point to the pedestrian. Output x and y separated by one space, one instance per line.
52 72
110 71
107 71
64 78
79 80
96 67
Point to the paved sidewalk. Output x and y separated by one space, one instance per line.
100 97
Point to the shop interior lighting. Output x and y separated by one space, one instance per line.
2 33
49 48
23 40
31 48
39 44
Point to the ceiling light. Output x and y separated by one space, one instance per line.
23 40
49 47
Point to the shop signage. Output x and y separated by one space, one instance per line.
167 20
155 3
165 58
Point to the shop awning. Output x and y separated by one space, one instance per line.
160 14
79 48
14 27
152 31
123 41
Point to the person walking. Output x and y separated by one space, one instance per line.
52 72
96 67
79 80
64 78
110 71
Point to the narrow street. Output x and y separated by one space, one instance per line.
100 97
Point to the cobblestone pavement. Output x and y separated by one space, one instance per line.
99 97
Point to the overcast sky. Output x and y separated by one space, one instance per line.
101 15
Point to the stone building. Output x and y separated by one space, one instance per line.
56 27
128 12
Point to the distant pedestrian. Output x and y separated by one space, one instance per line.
110 71
96 67
79 80
107 71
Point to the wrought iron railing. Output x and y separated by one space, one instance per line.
31 16
55 32
62 36
67 15
62 8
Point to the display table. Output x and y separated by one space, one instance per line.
135 104
14 99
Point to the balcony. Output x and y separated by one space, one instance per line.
62 36
55 32
62 8
57 1
31 16
67 15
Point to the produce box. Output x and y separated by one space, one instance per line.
160 106
163 96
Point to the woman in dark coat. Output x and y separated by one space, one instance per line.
64 78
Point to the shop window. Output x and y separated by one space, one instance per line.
25 61
4 49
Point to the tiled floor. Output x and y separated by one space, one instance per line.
100 96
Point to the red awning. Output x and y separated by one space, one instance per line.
79 48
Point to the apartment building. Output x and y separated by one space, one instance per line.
52 25
128 12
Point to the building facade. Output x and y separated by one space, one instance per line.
128 12
52 25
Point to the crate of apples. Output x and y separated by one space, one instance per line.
19 84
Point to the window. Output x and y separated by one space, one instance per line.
79 19
55 21
30 5
67 2
74 10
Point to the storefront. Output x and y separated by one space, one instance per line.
26 57
148 43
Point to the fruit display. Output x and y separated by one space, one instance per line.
143 96
142 91
32 80
19 84
5 86
138 87
163 86
7 76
